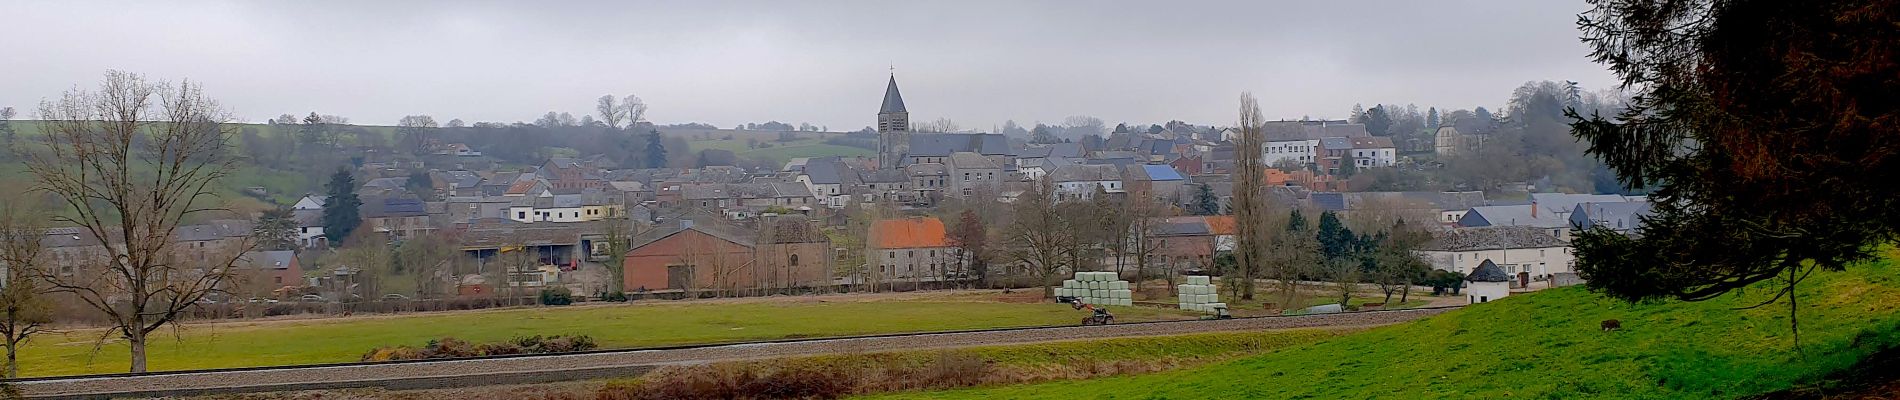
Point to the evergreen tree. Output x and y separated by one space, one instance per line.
1432 120
1769 128
1378 121
1348 165
340 210
1205 202
1295 221
656 151
1358 115
1335 240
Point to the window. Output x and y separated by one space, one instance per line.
911 253
1540 252
892 255
794 261
279 279
933 253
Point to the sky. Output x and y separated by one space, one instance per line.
978 63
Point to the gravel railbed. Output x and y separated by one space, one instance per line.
536 369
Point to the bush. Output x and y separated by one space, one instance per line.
614 296
556 296
449 347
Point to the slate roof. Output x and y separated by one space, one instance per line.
1555 203
1513 216
943 144
884 176
213 230
1181 226
893 101
927 169
1335 143
1492 238
1622 215
274 259
968 160
704 224
1085 173
1488 272
910 233
392 207
306 218
827 171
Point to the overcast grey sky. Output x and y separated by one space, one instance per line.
976 62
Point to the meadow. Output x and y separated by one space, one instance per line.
1549 344
328 340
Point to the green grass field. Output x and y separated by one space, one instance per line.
290 342
1549 345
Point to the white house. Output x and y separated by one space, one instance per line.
1374 152
557 208
1299 150
1079 182
309 226
1516 250
1487 282
310 202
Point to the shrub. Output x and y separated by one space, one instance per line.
614 296
449 347
556 296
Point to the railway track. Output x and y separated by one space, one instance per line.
541 368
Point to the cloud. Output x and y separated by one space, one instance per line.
978 62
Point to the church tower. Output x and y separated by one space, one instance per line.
893 128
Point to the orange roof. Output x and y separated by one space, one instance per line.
909 233
1275 177
1221 225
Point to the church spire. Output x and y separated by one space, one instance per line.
893 102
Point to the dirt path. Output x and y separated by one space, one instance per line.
600 365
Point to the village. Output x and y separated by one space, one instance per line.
897 220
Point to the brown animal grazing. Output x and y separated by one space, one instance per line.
1611 325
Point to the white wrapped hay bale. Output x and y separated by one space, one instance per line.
1122 294
1118 285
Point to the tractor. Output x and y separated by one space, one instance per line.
1099 316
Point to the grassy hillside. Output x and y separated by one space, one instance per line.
1548 345
780 152
614 326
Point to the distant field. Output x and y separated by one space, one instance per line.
613 325
1548 345
780 152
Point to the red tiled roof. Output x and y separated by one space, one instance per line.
521 187
909 233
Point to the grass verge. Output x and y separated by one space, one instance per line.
1549 345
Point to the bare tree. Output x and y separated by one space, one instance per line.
414 131
1042 239
1250 243
1142 214
937 125
26 309
610 111
132 161
636 109
619 237
1292 255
